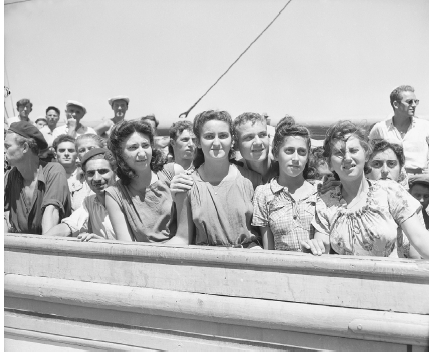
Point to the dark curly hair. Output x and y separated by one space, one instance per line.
291 129
287 119
339 131
61 139
119 134
243 119
176 129
379 145
202 118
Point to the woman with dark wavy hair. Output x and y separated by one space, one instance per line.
284 208
361 217
139 204
217 210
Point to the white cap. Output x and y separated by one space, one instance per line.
76 103
113 99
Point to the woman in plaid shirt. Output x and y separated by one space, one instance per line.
284 208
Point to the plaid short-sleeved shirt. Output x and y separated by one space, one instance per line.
288 219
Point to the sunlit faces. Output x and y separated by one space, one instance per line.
348 158
253 140
184 145
385 165
66 154
215 139
84 145
137 151
120 107
13 152
406 107
52 117
75 112
24 110
99 175
293 156
40 124
421 193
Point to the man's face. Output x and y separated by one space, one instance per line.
24 110
13 152
40 124
120 107
84 145
184 145
406 107
253 140
75 112
66 154
52 117
421 193
99 175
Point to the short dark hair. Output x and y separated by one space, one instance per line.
151 117
291 129
316 159
119 134
243 119
53 108
379 145
61 139
396 94
23 102
102 156
176 129
202 118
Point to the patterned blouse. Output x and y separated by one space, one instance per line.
373 230
288 219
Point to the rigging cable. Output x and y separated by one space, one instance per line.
15 2
10 92
185 114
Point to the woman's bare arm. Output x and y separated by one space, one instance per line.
117 218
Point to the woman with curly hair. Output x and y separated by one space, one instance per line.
361 217
284 208
217 210
139 204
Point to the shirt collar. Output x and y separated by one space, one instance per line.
276 187
392 126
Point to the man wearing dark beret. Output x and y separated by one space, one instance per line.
36 195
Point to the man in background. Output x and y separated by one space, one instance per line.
119 106
24 107
405 129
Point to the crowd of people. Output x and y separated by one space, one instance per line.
223 182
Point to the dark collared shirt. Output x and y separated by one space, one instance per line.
51 189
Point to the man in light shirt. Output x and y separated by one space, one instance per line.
406 129
91 220
74 113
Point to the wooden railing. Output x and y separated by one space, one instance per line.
60 292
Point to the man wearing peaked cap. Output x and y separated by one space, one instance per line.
74 113
119 105
36 195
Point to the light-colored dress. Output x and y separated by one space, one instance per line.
222 214
288 219
372 230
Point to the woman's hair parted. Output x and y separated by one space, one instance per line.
342 131
199 121
287 129
119 135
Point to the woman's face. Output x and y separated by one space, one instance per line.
215 139
137 151
385 165
348 158
292 156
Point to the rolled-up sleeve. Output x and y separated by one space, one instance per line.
77 221
56 189
260 207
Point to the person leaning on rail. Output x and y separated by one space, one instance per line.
285 207
361 217
217 210
36 196
91 220
139 204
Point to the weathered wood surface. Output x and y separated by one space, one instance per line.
284 300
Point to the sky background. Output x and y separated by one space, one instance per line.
322 60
